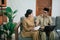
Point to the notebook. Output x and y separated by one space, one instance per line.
36 28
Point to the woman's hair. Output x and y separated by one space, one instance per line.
28 12
46 9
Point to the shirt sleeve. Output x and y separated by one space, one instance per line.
37 20
50 20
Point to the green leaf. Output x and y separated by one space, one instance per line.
14 16
8 15
14 11
5 27
8 9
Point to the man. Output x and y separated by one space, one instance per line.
45 20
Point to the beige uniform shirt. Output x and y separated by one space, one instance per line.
44 21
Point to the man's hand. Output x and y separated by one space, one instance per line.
42 28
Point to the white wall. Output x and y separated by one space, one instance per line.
55 8
23 5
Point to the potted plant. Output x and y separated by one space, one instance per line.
9 26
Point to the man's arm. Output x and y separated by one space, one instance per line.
37 21
50 21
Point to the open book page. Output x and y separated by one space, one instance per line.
36 28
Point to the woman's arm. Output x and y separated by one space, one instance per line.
25 26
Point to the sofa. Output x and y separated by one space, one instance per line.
56 22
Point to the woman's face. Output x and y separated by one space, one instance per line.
31 15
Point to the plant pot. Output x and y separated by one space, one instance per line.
9 38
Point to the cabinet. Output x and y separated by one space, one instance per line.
3 3
3 18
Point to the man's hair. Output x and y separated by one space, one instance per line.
46 9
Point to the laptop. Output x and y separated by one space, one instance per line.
49 28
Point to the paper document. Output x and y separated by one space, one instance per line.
36 28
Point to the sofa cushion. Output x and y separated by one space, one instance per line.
58 22
53 19
24 38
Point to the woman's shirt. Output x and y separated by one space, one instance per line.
28 24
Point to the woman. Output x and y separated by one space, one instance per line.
28 25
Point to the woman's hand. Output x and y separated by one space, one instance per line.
32 29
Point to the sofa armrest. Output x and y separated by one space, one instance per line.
16 31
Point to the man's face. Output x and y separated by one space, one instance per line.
45 13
